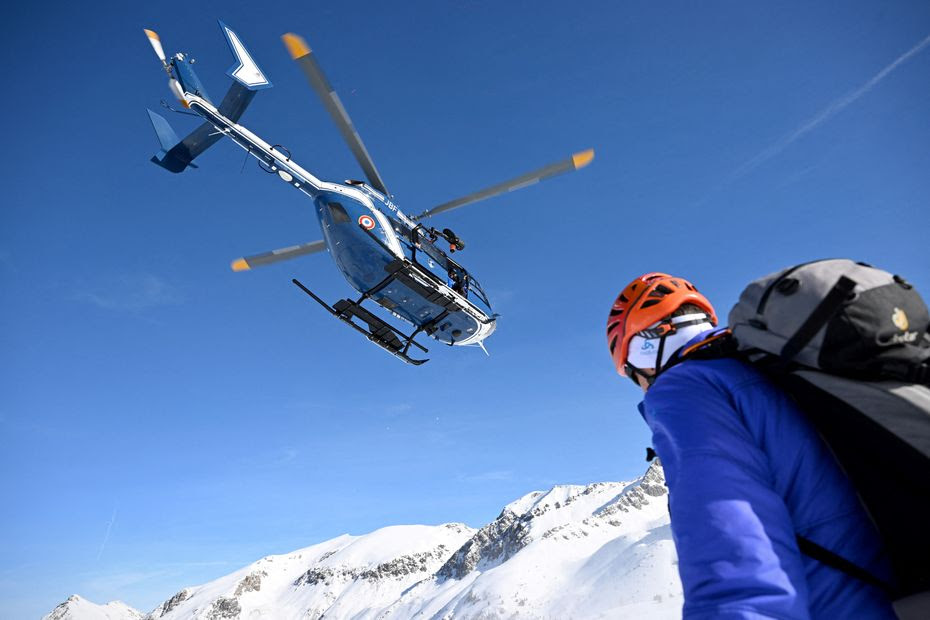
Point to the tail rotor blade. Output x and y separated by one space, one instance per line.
301 53
576 161
267 258
155 41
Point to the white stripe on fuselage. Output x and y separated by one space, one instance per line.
302 177
390 205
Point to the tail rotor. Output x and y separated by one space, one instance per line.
155 42
173 85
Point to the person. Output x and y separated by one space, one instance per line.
748 477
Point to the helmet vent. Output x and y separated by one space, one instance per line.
616 312
613 344
788 286
623 298
649 303
612 326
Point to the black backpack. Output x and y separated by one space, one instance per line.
851 344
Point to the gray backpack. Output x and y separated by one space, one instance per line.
838 316
850 343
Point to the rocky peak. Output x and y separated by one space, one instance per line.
170 604
511 531
397 568
77 608
497 541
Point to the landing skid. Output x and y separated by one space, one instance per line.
376 329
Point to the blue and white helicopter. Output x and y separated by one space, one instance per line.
390 258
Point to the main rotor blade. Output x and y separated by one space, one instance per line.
301 53
576 161
259 260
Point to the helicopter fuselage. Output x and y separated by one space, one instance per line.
366 234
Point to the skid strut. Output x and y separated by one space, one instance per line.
378 330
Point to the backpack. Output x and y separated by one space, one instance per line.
850 343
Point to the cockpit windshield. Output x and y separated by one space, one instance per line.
475 290
426 254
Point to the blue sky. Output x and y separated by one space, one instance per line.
164 421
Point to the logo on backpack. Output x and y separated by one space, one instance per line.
900 319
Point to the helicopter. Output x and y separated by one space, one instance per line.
392 259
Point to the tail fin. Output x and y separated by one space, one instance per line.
246 72
176 155
168 157
163 130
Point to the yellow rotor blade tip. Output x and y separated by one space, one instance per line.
583 158
296 46
240 265
151 34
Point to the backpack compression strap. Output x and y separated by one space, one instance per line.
819 317
907 372
825 556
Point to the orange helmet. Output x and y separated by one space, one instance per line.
645 301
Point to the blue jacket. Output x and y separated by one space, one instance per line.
746 473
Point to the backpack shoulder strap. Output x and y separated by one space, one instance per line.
715 346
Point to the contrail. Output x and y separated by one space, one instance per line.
106 536
826 114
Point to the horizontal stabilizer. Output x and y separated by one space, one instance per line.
177 155
246 70
237 99
183 153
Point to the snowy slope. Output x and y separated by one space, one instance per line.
346 577
598 551
77 608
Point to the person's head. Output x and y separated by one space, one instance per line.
654 316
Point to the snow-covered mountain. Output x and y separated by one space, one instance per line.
598 551
77 608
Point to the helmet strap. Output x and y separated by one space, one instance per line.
660 367
633 372
659 355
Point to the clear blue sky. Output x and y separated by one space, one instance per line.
164 420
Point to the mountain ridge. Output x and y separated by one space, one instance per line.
601 550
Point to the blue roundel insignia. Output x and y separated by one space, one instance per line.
366 221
